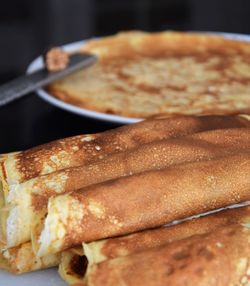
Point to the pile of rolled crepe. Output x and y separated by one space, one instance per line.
160 202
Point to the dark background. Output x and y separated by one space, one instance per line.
28 27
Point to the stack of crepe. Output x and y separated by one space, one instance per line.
96 204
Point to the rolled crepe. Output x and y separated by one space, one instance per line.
29 199
74 151
22 259
219 258
78 150
74 263
100 211
105 249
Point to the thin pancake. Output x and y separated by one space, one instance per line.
128 137
99 251
105 249
29 199
219 258
82 149
143 74
88 214
20 259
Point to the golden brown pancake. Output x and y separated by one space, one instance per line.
176 192
218 258
143 74
74 265
29 200
105 249
18 167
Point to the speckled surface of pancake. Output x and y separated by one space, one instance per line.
142 74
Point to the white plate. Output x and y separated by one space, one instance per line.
37 64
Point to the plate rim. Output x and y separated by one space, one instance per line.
37 63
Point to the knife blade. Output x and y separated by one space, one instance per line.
23 85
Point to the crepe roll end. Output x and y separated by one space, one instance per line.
73 266
20 194
93 251
20 214
54 230
9 175
18 220
36 228
2 200
3 218
22 259
4 188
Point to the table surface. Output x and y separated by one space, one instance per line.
30 121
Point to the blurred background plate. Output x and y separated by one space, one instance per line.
38 64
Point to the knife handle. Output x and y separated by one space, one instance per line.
14 89
30 82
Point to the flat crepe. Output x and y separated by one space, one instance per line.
142 74
88 214
29 199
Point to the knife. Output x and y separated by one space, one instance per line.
30 82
